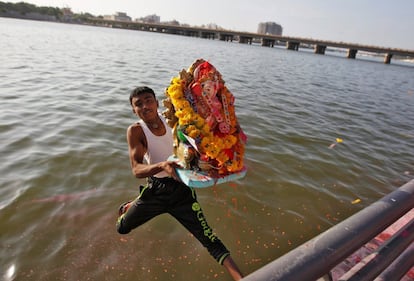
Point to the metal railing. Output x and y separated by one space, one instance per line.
315 258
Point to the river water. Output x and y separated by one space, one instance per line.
64 166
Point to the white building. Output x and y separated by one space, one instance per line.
119 16
150 19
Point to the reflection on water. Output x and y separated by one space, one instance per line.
64 111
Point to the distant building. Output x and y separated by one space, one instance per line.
119 16
150 19
173 22
212 26
67 14
270 28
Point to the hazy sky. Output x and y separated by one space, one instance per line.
385 23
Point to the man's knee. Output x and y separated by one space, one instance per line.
123 231
120 228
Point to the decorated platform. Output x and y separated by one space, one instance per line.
200 179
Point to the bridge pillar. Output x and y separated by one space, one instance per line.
190 33
226 37
320 49
352 53
387 59
208 35
291 45
245 40
268 42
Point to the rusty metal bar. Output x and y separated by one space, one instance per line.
399 267
372 265
318 256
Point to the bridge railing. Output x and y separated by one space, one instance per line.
317 257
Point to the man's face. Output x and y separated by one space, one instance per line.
145 106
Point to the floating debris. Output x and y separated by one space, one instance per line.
338 140
356 201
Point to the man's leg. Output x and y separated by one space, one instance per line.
232 268
189 213
139 211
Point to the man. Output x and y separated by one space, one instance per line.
151 139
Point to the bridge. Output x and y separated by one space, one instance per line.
291 43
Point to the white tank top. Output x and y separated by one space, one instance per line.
159 147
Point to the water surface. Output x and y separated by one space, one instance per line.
63 114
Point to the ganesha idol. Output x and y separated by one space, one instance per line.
200 109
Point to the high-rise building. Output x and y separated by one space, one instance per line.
270 28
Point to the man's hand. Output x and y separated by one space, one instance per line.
169 167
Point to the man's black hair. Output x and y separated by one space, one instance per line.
140 90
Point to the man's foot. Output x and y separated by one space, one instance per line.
124 208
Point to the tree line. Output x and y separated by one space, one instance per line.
25 8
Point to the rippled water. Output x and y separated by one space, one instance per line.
63 114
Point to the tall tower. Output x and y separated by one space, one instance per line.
270 28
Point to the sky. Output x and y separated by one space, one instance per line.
382 23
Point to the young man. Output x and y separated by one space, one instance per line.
151 139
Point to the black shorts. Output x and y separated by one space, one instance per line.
165 195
